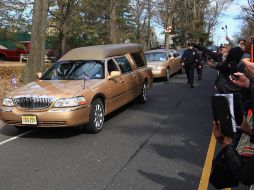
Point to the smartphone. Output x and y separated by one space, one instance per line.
234 77
221 112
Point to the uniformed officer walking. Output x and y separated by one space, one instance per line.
190 58
200 64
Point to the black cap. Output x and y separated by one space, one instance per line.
189 43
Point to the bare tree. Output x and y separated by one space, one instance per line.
248 18
39 25
249 10
113 37
62 14
213 11
15 15
140 17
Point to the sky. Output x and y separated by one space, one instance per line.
229 18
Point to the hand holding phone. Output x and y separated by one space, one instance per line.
234 77
242 80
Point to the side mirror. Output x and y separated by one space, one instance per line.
114 74
38 75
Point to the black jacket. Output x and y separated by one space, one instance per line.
190 57
227 66
241 169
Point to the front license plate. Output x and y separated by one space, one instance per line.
29 120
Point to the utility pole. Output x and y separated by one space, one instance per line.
38 37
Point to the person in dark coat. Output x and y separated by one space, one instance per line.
190 58
200 64
240 168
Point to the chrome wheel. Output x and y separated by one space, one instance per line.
144 92
98 116
168 74
143 97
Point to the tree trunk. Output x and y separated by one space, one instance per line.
36 55
113 38
63 44
149 25
168 23
63 39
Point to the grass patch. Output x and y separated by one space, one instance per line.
7 71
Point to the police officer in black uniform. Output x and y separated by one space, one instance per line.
190 58
200 64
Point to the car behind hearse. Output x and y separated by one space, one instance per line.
164 62
82 87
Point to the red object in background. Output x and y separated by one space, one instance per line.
251 50
23 47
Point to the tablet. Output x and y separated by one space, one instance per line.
221 112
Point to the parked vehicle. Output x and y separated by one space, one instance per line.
23 47
82 87
213 48
2 47
21 53
163 62
181 51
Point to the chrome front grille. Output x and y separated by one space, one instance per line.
33 103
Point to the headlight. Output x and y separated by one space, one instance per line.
160 67
8 102
70 102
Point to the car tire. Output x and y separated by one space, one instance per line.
143 97
2 57
21 128
96 117
180 71
167 77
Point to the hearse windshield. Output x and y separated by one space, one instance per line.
75 70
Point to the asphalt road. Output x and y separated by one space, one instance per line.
160 145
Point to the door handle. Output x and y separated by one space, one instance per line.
134 76
121 81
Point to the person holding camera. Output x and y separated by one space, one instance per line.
237 168
226 61
216 60
231 167
190 58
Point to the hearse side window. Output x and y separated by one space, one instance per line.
112 66
138 58
123 64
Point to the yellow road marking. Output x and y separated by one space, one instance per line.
203 184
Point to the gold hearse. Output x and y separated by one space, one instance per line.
82 87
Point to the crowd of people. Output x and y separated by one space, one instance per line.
234 63
235 75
